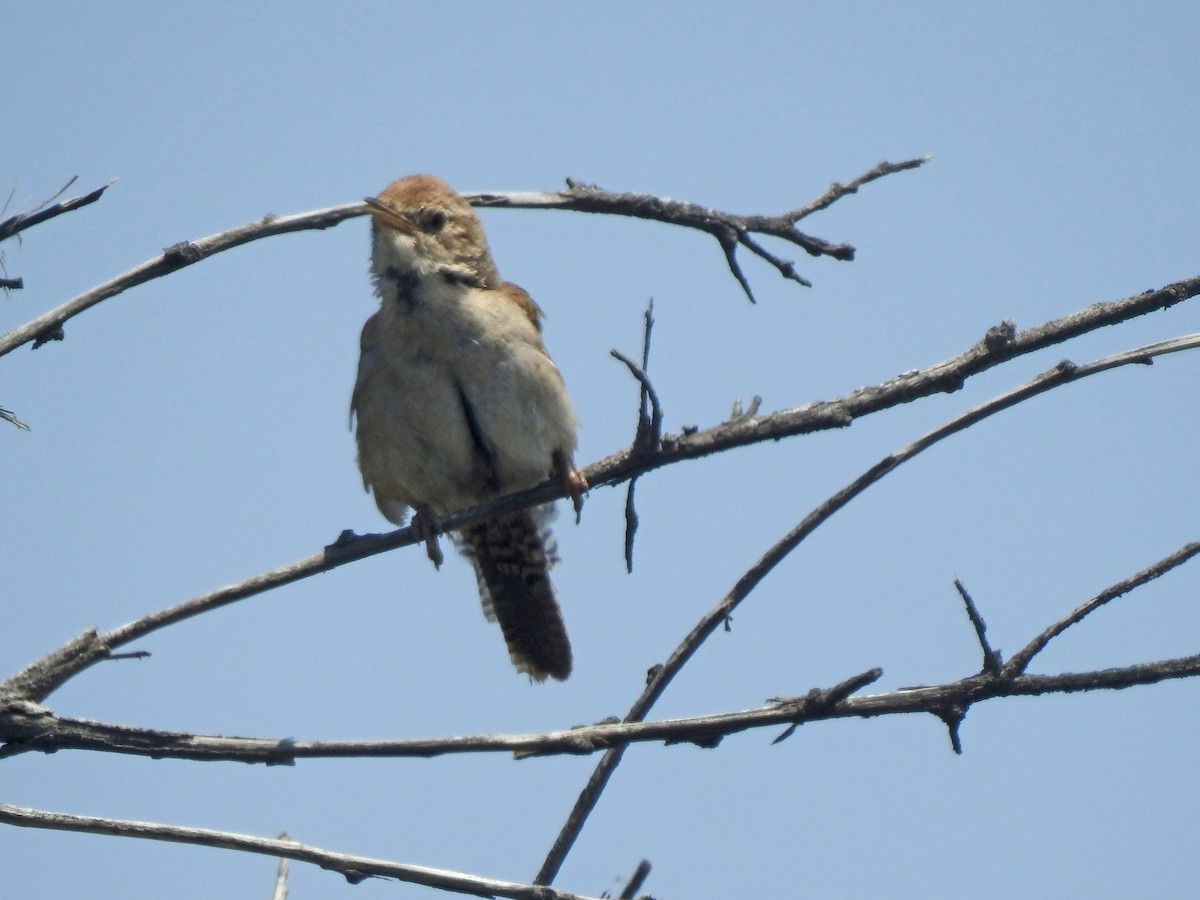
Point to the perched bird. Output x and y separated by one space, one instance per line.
458 402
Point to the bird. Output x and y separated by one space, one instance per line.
457 402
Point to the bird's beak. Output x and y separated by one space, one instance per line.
384 215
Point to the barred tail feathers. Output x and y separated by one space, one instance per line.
512 555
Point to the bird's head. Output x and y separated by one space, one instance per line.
422 228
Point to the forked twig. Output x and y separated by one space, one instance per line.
730 230
649 426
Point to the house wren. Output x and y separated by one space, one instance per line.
458 402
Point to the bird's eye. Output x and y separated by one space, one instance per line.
436 221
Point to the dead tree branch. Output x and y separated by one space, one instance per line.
729 229
27 727
15 224
11 418
636 880
649 425
991 658
353 868
49 326
1021 659
280 890
47 210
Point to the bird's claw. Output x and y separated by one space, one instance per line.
424 528
573 480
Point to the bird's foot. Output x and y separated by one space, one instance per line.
424 528
573 481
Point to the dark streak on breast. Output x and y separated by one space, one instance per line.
406 283
482 453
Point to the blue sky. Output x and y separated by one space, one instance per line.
193 432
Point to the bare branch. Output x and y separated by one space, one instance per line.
42 212
11 418
648 434
1001 344
816 701
729 229
785 267
729 244
1020 661
649 429
991 659
636 880
837 191
280 890
649 426
48 327
353 868
42 677
27 727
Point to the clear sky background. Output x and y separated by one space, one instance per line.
193 432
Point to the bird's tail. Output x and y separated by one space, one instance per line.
512 555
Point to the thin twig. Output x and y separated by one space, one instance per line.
646 437
816 701
280 890
48 327
649 409
1021 659
11 417
838 191
353 868
991 659
649 425
631 523
636 880
42 212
